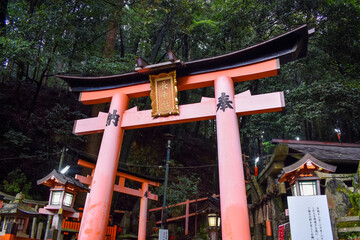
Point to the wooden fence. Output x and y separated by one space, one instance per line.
7 237
350 224
71 226
67 227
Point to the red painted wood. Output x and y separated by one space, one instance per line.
245 73
245 104
143 212
234 209
98 202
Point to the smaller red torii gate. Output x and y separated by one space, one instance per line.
187 211
142 192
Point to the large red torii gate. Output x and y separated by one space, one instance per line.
259 61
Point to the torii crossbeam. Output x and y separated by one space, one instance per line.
259 61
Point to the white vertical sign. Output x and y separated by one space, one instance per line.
163 234
309 218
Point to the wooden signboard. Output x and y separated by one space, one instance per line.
164 94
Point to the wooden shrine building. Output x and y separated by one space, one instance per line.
19 212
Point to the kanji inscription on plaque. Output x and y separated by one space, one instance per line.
164 94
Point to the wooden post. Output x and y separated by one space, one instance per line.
59 226
48 224
34 223
98 202
187 217
51 234
39 230
333 223
33 227
234 209
143 212
4 223
11 231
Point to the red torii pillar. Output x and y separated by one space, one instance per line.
234 210
98 203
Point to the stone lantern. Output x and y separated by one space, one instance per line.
63 190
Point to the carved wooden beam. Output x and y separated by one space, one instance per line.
245 104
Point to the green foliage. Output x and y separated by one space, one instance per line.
354 195
180 188
96 66
355 202
43 38
16 182
14 48
349 235
59 124
17 139
268 147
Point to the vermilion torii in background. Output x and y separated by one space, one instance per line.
259 61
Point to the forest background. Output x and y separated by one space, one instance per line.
41 38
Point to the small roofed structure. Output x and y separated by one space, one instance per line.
211 205
63 190
19 212
302 177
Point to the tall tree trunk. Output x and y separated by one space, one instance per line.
39 83
109 49
122 45
185 52
136 45
160 37
308 130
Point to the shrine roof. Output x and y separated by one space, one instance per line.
287 47
212 204
304 160
306 163
17 209
325 151
62 178
27 201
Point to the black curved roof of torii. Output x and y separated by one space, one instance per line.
287 47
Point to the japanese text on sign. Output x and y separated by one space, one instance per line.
309 218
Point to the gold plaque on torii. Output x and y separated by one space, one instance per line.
164 101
